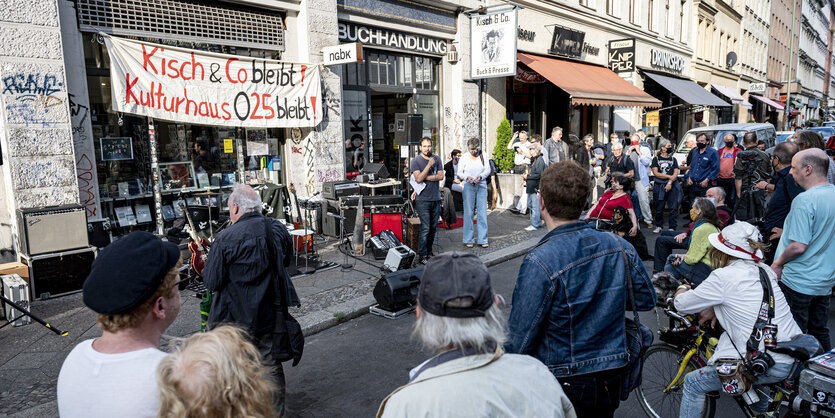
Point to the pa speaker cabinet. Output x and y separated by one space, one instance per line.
397 290
378 170
52 229
408 128
331 226
58 274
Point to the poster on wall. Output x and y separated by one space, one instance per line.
622 55
116 149
355 126
193 86
493 48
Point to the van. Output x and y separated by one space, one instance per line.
716 134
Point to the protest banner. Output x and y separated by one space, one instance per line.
192 86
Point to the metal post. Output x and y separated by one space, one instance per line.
789 87
152 139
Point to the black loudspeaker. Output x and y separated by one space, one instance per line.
331 225
379 170
98 233
58 274
408 128
398 290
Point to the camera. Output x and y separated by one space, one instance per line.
760 363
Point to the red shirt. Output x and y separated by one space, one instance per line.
606 206
726 162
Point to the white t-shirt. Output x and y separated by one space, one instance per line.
93 384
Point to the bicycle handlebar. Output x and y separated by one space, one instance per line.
675 315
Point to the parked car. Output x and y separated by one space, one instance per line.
827 132
829 124
765 132
783 136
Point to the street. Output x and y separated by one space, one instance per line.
347 370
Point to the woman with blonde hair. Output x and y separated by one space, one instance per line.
215 374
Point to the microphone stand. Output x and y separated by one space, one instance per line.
29 314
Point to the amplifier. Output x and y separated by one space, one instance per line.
396 201
50 229
16 290
399 258
331 226
335 189
58 274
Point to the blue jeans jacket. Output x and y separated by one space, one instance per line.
570 299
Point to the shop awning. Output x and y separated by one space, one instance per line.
589 84
688 91
732 94
766 100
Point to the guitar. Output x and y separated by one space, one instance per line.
197 246
299 218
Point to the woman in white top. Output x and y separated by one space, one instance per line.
733 294
473 170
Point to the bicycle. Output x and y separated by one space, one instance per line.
686 347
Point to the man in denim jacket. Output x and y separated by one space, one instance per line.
571 296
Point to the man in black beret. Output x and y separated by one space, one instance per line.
133 289
241 274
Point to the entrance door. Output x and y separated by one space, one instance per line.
383 108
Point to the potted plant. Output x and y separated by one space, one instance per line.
503 156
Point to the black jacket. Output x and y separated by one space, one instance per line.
537 167
238 271
449 174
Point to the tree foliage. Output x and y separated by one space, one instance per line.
503 156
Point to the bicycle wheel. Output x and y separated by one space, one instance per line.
661 363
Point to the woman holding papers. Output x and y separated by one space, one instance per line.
473 170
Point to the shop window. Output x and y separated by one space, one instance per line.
401 71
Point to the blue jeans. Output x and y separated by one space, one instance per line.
695 274
669 202
475 199
699 382
636 206
428 212
664 246
533 205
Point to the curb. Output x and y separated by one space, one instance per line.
321 320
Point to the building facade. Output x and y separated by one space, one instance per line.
753 58
812 55
784 38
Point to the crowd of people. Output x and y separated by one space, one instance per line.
564 349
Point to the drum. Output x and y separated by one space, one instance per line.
302 240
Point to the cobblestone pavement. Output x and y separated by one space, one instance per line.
31 357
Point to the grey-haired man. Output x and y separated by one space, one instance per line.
458 318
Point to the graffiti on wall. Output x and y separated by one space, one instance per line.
33 95
470 121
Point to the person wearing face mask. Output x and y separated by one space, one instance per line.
727 158
694 266
666 190
703 169
617 195
473 170
450 169
716 195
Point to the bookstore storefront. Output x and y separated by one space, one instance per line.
184 144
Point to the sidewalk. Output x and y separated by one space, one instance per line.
32 355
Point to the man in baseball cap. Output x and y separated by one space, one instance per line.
458 317
132 288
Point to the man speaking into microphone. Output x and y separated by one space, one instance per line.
428 172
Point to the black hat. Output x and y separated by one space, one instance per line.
455 275
127 272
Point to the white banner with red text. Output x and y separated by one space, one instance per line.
192 86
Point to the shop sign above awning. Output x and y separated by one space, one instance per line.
205 88
766 100
688 91
732 94
589 84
